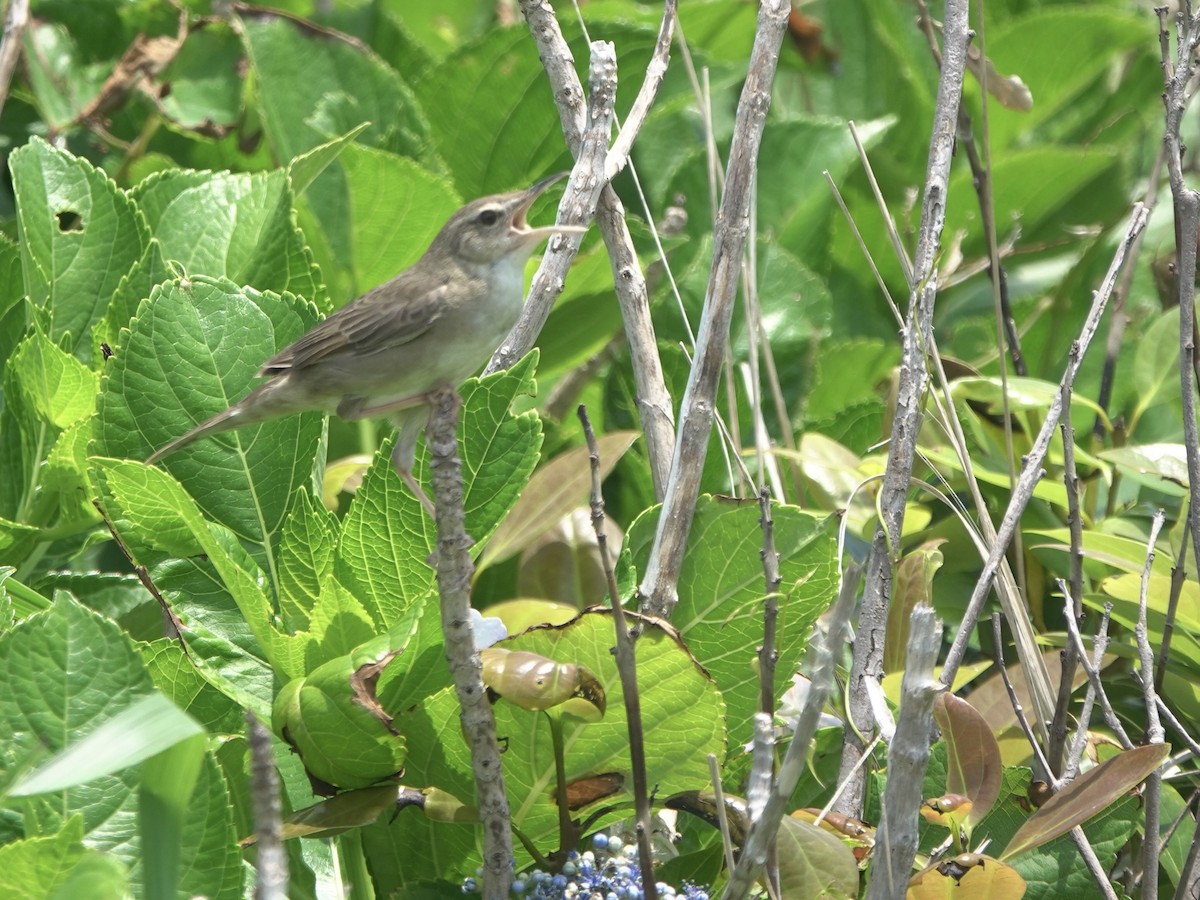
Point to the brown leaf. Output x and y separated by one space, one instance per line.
973 761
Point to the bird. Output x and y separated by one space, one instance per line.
433 325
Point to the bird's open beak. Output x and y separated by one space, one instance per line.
525 199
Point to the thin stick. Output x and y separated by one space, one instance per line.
1152 794
454 571
270 863
908 756
626 668
906 425
1014 701
767 654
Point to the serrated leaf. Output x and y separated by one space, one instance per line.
79 236
387 537
721 592
306 550
58 388
194 348
205 79
304 169
236 225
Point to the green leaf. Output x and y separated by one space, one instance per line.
35 867
206 84
386 535
239 226
66 671
306 550
148 726
79 236
194 349
912 585
157 513
813 862
58 388
721 592
167 784
304 169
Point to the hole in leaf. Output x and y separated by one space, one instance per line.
69 220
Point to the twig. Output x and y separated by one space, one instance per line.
1178 576
1094 866
767 654
454 571
1187 226
1152 793
1057 737
653 400
270 863
1099 644
714 773
1013 699
761 835
15 20
908 757
626 668
906 424
1031 470
578 207
658 589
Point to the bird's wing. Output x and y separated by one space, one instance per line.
375 322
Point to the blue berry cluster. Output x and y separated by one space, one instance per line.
609 871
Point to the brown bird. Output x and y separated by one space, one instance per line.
435 324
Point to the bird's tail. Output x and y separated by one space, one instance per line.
263 403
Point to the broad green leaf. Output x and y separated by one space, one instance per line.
973 767
236 226
1156 372
1087 795
813 862
512 133
396 207
58 388
148 726
305 168
149 271
205 81
160 515
306 550
176 675
12 298
387 536
721 593
682 715
1058 71
66 672
555 489
1161 467
62 78
79 236
36 867
1101 552
194 349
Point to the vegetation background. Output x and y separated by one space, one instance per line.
189 186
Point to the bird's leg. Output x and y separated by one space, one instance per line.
418 492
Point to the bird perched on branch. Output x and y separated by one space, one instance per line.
435 324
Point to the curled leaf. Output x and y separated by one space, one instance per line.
533 681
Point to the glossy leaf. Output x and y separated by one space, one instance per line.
1087 795
973 766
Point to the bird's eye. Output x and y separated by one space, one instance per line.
488 217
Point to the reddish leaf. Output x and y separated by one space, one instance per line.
1087 795
973 766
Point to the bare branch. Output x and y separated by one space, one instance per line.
270 863
454 571
917 332
657 591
